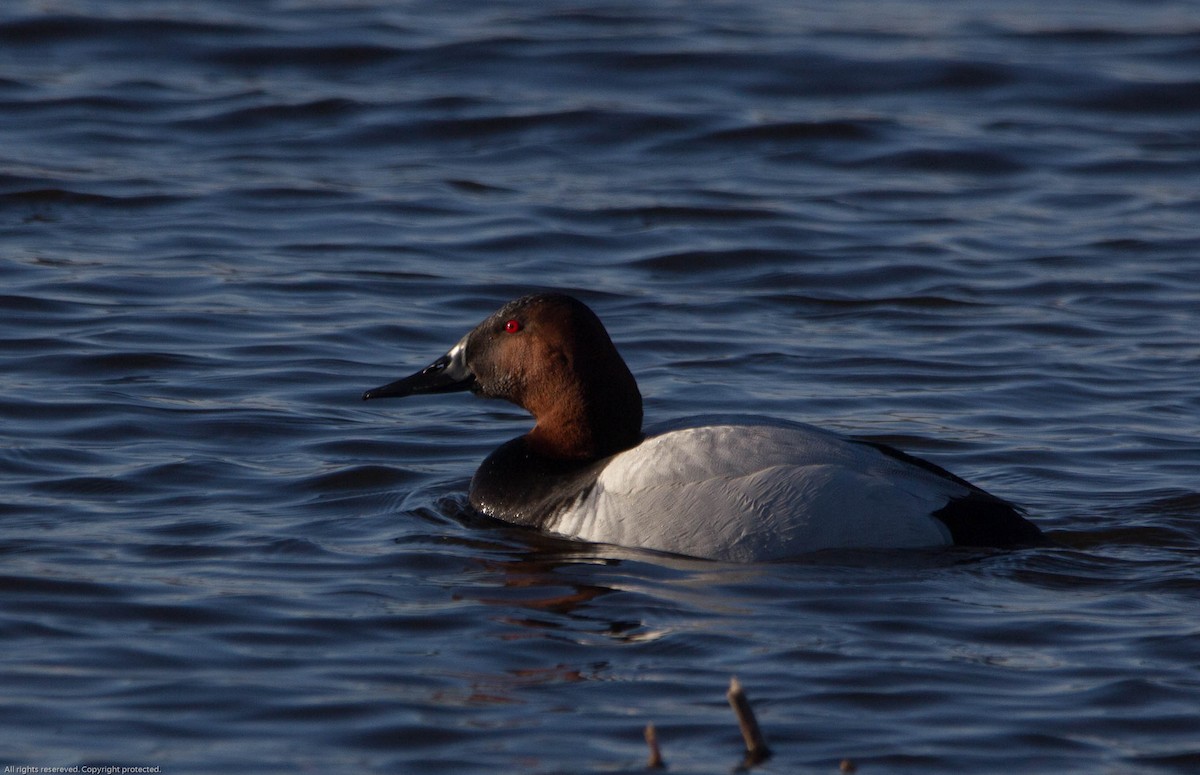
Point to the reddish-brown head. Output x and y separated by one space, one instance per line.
550 354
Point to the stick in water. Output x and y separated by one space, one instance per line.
656 761
756 746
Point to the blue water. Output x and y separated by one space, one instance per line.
966 229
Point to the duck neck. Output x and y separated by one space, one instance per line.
585 427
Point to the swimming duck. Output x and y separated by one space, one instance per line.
734 491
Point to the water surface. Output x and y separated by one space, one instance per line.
966 230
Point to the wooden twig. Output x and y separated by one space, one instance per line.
756 746
655 762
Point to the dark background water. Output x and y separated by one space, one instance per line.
969 229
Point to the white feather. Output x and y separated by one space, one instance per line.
748 493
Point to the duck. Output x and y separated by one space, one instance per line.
733 490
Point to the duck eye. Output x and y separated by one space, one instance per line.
512 326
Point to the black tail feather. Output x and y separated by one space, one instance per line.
981 519
977 518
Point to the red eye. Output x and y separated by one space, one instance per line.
512 326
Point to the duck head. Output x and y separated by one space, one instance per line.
549 354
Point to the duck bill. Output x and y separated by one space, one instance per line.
448 374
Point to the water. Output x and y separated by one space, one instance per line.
966 229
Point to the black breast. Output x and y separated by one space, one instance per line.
516 485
